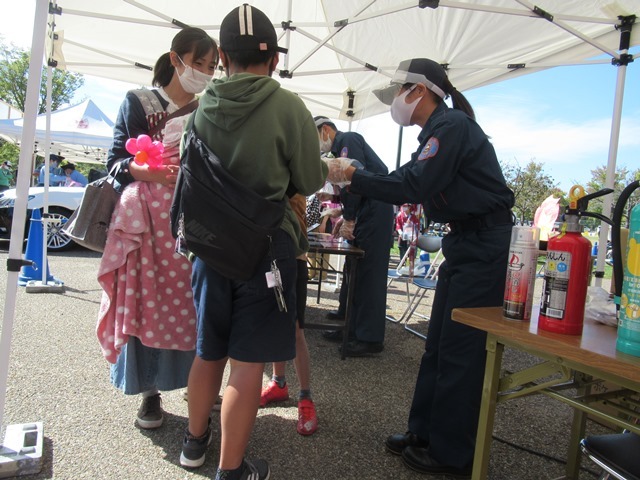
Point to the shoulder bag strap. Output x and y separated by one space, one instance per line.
190 107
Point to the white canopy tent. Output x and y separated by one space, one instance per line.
338 51
81 132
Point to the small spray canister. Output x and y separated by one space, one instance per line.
521 273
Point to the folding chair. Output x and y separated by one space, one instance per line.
397 274
617 454
425 284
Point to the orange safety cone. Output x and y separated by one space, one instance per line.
34 252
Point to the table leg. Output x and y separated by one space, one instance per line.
577 433
487 408
350 279
321 263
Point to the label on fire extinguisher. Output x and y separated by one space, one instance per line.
556 283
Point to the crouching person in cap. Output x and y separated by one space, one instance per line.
455 174
56 178
266 138
74 177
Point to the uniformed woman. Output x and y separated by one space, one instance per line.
456 176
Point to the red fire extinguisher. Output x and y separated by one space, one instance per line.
567 269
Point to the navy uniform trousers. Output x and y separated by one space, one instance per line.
446 401
373 231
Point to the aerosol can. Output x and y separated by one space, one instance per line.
567 269
627 279
521 273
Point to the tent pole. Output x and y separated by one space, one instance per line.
621 63
611 173
287 36
22 185
399 155
47 154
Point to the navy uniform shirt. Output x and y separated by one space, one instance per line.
454 173
352 145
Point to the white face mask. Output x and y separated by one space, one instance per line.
192 80
325 145
400 111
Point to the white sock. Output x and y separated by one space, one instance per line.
150 393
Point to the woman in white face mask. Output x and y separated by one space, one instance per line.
456 176
146 325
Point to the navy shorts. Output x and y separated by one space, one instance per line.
301 291
241 319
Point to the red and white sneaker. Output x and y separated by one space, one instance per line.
273 393
307 418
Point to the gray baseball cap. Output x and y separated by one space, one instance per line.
416 70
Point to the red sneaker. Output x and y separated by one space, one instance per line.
273 393
307 418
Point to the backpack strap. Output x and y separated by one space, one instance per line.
149 101
187 109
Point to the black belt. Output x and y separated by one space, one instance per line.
501 217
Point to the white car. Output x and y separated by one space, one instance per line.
63 201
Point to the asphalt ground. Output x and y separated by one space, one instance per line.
58 376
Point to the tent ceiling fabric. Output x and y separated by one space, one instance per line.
109 38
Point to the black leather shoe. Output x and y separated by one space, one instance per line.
335 315
332 335
398 442
418 459
356 348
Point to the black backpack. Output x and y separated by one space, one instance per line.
217 218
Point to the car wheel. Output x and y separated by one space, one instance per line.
57 240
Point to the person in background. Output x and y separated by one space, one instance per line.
74 177
147 320
318 213
367 223
265 137
456 176
6 176
56 176
277 389
407 227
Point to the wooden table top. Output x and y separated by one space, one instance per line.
595 348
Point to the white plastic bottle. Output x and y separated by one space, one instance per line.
521 273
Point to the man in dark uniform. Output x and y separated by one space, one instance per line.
456 176
368 223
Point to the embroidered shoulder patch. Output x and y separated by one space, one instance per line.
344 153
430 149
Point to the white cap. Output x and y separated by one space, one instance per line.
528 235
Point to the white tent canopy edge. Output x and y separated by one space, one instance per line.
329 65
